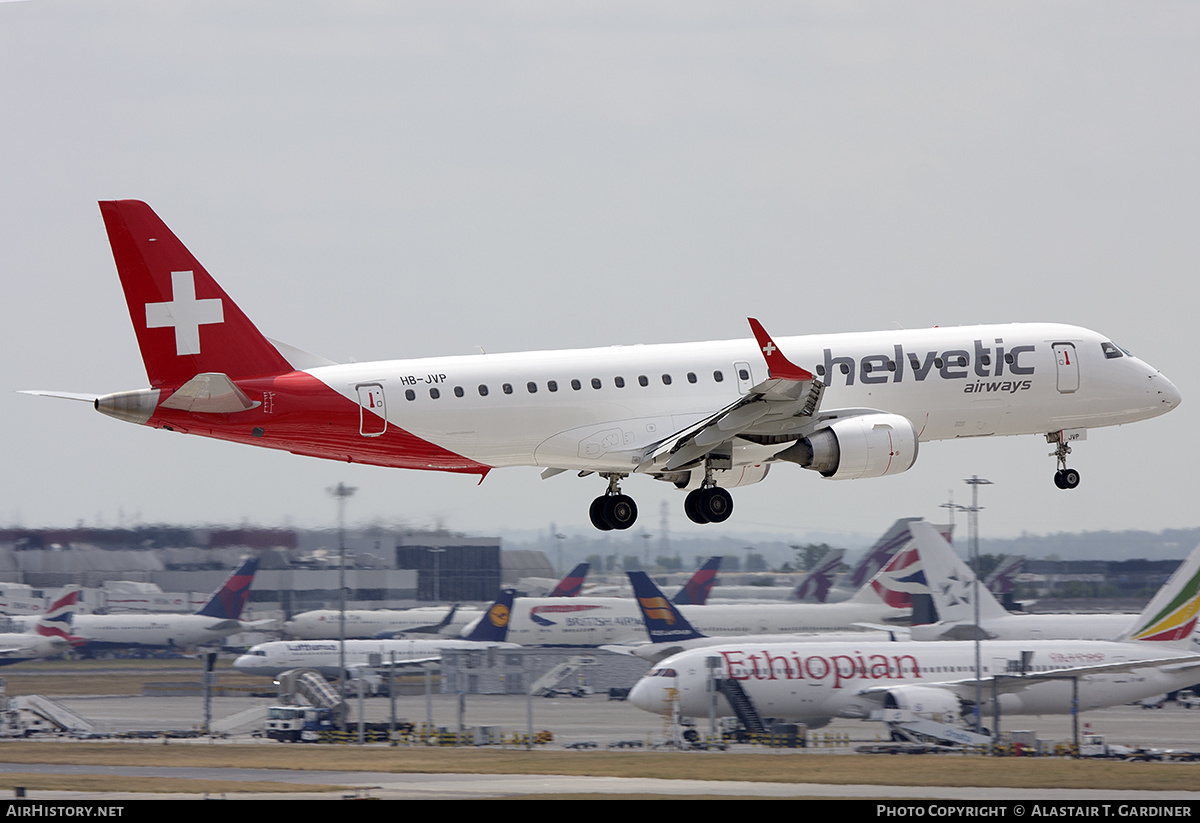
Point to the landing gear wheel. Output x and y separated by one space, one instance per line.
620 511
1067 479
693 508
710 505
596 513
717 504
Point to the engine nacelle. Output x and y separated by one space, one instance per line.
725 478
935 704
866 445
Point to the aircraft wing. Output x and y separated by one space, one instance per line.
17 651
400 664
1014 683
785 403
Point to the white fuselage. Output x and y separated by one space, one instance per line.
16 647
324 624
152 630
589 410
815 682
597 621
270 659
1033 627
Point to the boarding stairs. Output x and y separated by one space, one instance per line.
743 707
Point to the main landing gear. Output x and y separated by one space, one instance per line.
1064 478
613 510
709 504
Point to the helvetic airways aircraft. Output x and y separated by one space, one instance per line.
813 682
703 416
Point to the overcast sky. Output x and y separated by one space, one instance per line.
374 180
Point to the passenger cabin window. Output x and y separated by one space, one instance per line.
619 382
532 387
409 394
666 378
507 387
718 376
691 377
552 385
576 385
435 394
596 382
643 380
744 374
483 390
458 391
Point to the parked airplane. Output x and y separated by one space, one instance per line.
323 624
670 632
703 416
219 618
952 587
571 585
604 621
271 659
51 635
816 682
382 624
698 588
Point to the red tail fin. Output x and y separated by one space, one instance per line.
185 323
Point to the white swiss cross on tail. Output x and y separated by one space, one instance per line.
184 313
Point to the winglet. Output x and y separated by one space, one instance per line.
778 366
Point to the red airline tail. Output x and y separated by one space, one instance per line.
185 323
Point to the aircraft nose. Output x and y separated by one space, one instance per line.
647 696
1166 391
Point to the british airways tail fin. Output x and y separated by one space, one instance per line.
572 584
56 622
663 621
228 601
1170 616
185 323
696 591
493 626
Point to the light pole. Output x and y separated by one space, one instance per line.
975 482
341 491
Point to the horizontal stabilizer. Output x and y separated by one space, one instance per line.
62 395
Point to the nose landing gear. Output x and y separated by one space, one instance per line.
1064 478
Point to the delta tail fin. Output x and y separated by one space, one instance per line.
228 601
696 591
572 584
186 324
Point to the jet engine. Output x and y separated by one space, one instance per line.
935 704
866 445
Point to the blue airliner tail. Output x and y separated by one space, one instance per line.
664 623
228 601
493 626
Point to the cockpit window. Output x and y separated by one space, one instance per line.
1112 351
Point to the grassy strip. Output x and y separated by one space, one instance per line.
780 767
155 785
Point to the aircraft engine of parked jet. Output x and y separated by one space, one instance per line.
866 445
935 704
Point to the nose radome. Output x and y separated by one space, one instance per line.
1166 390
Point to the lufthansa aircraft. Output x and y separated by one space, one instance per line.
703 416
